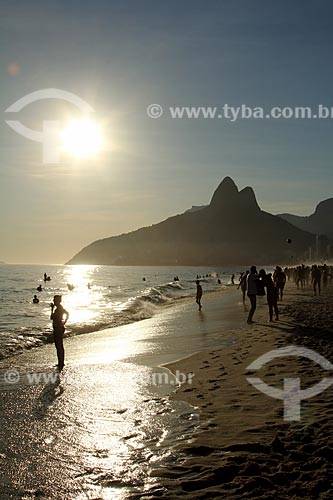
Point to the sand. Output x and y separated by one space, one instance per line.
103 432
244 447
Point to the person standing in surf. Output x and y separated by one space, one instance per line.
199 294
57 317
243 284
251 286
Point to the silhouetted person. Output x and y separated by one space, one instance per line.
251 285
45 277
260 283
233 279
35 300
243 284
199 294
325 276
316 279
272 294
39 288
57 317
279 280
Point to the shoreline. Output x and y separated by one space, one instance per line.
39 339
243 430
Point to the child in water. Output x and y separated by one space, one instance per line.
57 316
199 294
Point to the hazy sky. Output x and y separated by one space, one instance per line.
120 56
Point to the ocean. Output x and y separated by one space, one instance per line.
102 297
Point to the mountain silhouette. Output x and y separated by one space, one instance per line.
232 229
320 222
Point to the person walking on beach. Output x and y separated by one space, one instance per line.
272 295
316 279
279 280
251 285
242 284
57 317
199 294
325 276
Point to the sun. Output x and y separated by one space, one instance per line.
82 138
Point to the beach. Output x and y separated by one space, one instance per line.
113 427
244 448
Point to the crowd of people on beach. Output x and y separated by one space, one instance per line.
318 275
254 284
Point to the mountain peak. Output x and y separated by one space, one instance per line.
226 192
323 206
248 198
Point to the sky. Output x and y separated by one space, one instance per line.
120 57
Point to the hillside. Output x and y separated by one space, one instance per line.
232 229
320 222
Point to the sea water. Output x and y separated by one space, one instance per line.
102 297
103 429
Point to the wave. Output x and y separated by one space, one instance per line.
136 308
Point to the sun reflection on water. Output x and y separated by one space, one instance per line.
80 301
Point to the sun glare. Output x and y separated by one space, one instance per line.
82 138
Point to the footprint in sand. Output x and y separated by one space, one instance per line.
209 426
120 412
131 436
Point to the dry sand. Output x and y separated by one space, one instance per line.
244 447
